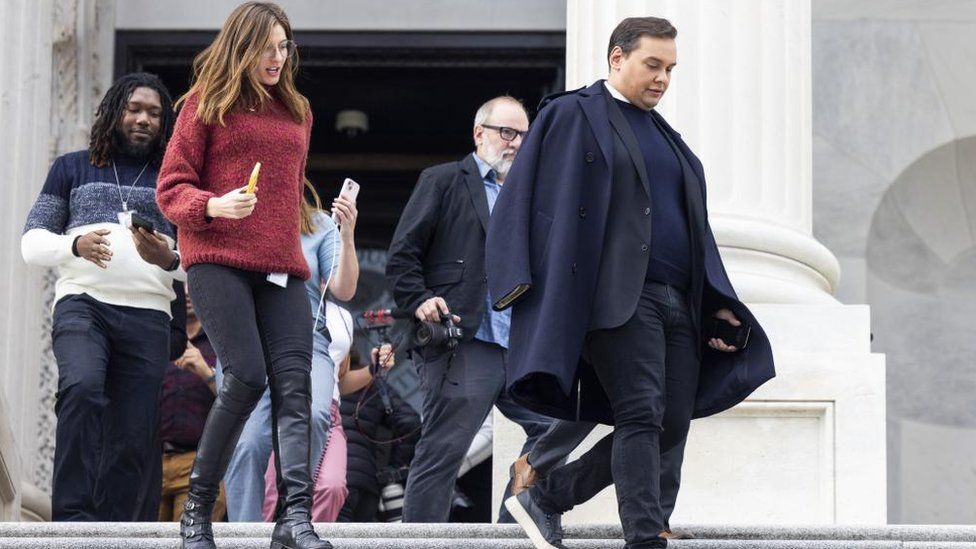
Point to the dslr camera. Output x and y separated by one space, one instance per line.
443 334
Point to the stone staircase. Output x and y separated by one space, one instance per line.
483 536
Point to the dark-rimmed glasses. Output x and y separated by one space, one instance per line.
506 133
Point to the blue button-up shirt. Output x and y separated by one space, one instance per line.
495 325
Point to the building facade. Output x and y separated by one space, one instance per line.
837 137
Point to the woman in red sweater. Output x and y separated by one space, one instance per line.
243 255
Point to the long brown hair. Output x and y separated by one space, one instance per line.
310 207
222 74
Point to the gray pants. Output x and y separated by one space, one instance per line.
460 389
553 447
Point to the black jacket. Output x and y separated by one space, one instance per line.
438 248
177 325
361 466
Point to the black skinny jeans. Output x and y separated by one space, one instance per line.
257 328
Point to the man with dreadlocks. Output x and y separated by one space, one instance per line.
111 324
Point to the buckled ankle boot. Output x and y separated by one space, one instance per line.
230 411
291 403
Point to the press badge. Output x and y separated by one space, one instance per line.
278 279
125 219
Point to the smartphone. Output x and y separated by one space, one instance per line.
350 190
736 336
141 222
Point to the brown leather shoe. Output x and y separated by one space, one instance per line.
668 534
523 475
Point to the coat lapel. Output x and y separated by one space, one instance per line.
595 109
476 188
623 129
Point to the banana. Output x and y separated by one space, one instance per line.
253 182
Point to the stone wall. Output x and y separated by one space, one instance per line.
894 127
56 58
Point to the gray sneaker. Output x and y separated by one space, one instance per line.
545 530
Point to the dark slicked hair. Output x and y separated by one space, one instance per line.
628 33
103 144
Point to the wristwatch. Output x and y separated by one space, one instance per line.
176 262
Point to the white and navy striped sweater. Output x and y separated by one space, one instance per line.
78 198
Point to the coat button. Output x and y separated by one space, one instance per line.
643 247
590 157
647 211
486 278
582 212
574 266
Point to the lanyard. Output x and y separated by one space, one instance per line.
128 195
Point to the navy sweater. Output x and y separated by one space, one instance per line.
76 193
78 198
670 257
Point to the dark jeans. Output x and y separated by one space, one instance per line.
460 389
552 449
260 332
107 457
257 328
649 369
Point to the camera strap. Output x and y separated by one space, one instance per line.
382 390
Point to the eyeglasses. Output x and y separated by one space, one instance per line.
286 49
506 133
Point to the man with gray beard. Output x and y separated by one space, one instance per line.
436 269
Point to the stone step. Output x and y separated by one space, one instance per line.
469 543
484 536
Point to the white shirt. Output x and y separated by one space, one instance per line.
339 321
615 93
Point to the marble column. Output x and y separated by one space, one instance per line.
808 446
25 103
57 60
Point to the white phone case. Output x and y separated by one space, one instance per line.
350 190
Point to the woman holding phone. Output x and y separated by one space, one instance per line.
243 255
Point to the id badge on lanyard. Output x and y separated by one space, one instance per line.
125 218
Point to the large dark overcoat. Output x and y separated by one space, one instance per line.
544 252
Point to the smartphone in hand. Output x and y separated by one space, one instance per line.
350 190
736 336
139 222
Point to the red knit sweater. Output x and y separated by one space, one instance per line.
203 161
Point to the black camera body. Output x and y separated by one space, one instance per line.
444 334
392 475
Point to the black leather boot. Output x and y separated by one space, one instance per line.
230 411
291 405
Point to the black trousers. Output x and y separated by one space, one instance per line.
460 389
552 449
107 455
649 370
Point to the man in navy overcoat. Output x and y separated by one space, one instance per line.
601 243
